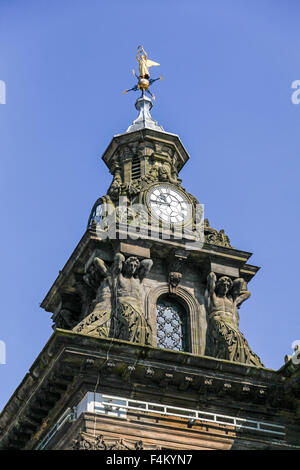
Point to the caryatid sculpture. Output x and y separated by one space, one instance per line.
117 310
129 320
225 341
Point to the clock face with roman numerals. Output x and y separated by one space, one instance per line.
169 204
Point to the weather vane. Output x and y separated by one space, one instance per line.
144 80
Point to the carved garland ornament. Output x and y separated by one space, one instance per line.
85 441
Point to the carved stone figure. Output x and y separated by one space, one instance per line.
98 322
165 174
225 341
117 309
175 267
214 236
156 173
174 279
115 187
129 321
143 182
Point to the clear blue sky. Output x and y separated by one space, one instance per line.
228 67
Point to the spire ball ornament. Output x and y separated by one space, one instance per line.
144 80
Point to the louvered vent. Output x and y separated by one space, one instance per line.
136 168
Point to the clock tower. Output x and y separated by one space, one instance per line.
146 351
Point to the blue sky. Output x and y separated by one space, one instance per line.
228 67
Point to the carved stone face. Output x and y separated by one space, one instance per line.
163 173
224 285
131 265
174 278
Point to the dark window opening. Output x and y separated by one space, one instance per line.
136 168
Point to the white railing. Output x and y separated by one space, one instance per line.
117 406
108 402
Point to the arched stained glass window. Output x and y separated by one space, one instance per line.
171 324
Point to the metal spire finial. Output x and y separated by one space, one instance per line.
144 104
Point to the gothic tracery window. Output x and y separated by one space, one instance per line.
171 324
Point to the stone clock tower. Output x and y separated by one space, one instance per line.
146 351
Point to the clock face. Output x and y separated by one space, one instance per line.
169 204
97 214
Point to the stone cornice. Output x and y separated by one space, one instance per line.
69 357
162 137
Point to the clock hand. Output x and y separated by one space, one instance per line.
158 202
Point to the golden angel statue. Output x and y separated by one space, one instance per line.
144 80
144 63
